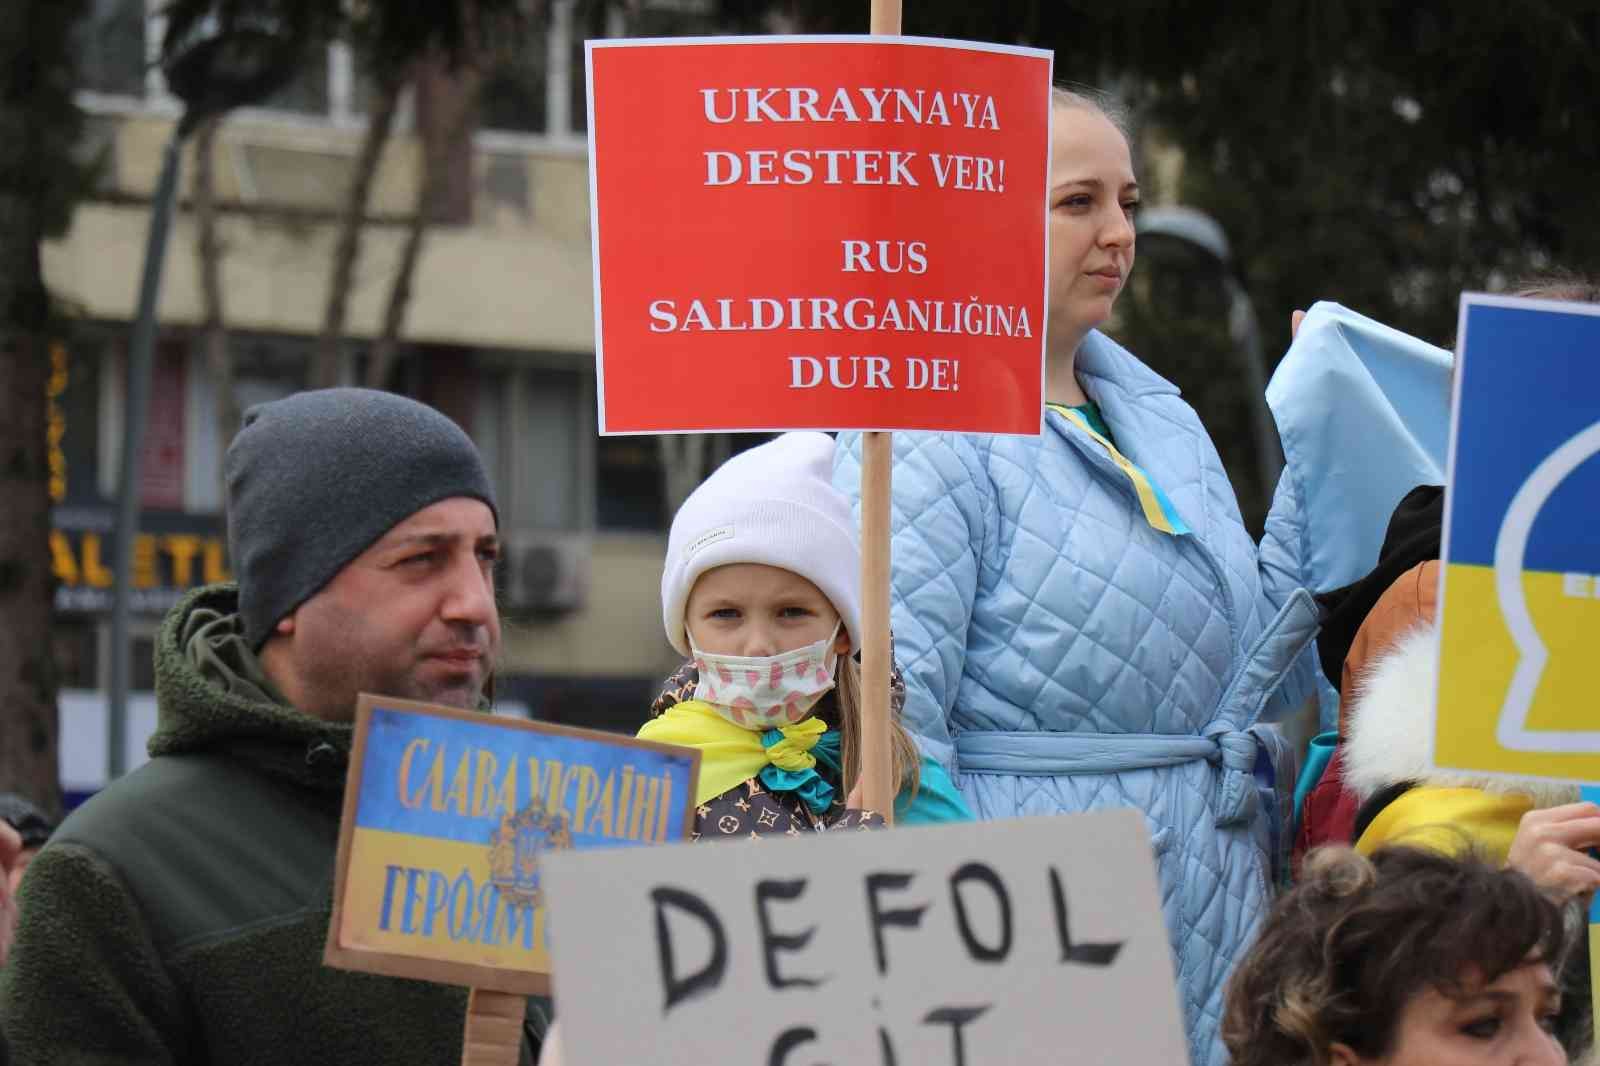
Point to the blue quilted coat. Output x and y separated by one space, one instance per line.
1061 655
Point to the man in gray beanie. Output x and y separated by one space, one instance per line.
180 915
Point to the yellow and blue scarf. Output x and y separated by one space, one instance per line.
785 759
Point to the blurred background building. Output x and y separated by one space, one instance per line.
499 334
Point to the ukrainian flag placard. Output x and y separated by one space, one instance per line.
1520 602
447 816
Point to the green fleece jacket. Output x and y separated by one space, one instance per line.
180 915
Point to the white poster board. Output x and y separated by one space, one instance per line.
1035 940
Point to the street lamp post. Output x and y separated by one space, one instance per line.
213 64
1200 230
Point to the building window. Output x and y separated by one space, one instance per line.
538 88
590 18
546 495
267 370
75 644
631 489
161 465
674 18
74 413
331 83
119 42
307 92
142 664
264 369
542 88
630 494
110 44
534 427
514 94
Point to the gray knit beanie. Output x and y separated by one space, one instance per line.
316 478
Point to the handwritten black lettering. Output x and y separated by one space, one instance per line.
787 1041
955 1018
1084 954
771 942
909 917
678 989
981 952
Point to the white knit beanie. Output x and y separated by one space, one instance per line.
774 504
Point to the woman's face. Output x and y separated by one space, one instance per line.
752 609
1502 1023
1092 196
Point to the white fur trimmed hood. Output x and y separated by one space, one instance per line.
1390 719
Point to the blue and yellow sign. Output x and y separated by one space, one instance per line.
447 816
1521 595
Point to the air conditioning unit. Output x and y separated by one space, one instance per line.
544 572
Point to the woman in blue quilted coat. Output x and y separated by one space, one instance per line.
1083 620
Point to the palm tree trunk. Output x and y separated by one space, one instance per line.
347 252
34 54
29 725
386 347
438 143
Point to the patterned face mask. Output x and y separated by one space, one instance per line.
766 691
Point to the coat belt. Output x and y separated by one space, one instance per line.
1229 742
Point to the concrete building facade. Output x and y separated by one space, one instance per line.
499 335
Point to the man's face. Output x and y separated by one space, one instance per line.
412 617
24 857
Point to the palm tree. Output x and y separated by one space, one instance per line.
38 183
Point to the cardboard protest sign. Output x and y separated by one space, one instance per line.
820 232
449 818
1519 599
1031 940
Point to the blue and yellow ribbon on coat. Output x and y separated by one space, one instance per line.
1158 509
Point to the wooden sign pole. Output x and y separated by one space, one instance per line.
877 465
493 1034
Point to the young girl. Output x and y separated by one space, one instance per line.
762 592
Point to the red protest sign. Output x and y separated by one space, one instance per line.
829 233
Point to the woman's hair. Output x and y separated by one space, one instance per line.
1555 285
1344 952
1558 285
1100 102
905 762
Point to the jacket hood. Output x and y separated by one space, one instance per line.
1391 722
1412 539
213 697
